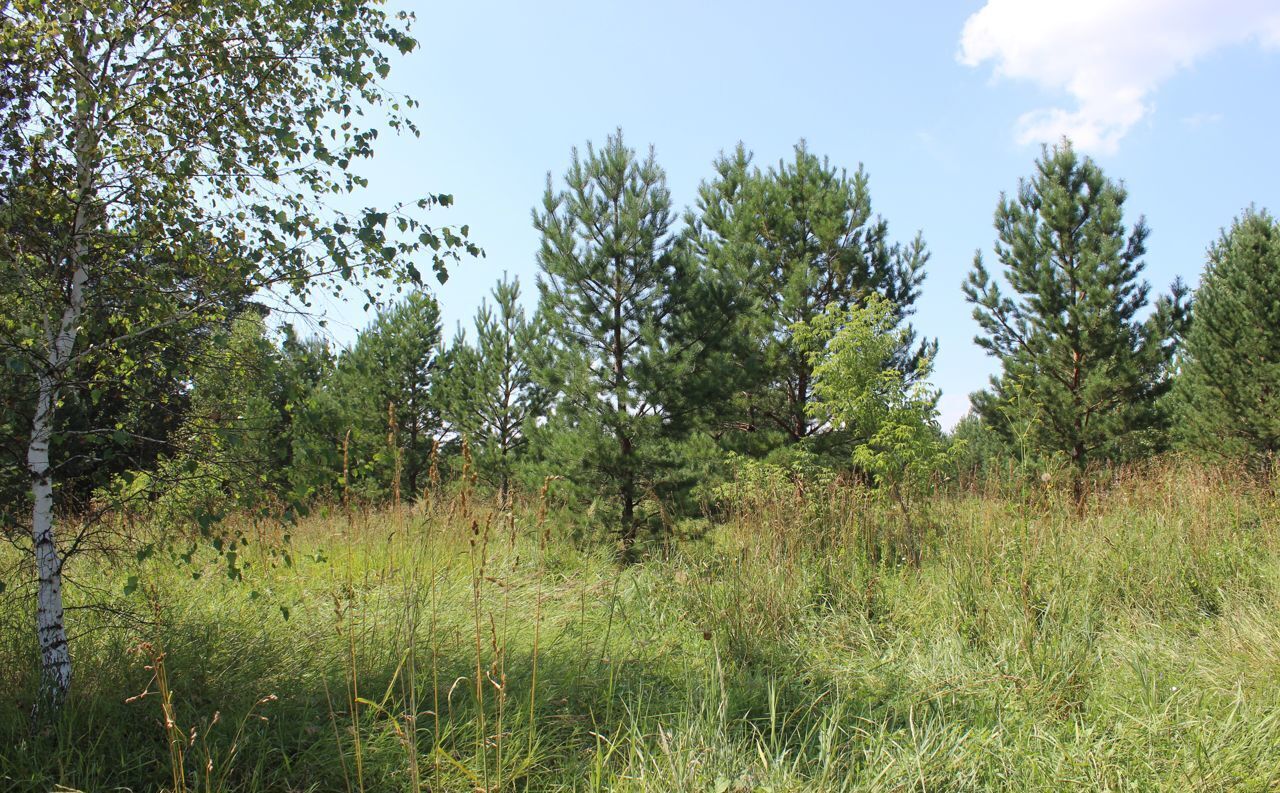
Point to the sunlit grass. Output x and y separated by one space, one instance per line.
1134 647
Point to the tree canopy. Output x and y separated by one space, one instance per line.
1073 336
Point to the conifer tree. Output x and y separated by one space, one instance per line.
380 393
638 325
487 391
1228 391
802 236
1070 339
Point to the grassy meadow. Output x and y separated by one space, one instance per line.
793 643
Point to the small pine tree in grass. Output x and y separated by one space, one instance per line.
487 391
1227 396
1072 336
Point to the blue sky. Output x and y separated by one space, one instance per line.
942 102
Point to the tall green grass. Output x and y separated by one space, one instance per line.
795 646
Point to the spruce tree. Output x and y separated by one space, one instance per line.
1228 390
638 325
802 236
1071 340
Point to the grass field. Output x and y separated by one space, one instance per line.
788 646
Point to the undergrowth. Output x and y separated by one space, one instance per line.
796 645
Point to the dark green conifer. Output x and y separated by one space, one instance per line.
1228 390
1080 365
639 327
801 236
487 390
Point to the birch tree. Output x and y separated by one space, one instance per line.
211 133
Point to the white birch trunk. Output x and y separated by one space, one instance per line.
51 629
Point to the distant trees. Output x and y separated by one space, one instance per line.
375 420
489 392
1228 392
230 451
1071 338
801 236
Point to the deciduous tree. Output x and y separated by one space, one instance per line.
211 133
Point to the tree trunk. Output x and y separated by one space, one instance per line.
51 632
627 490
628 499
504 478
51 629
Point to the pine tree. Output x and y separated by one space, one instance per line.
487 390
1228 391
1071 342
638 325
380 393
802 236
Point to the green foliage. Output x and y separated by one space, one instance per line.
166 163
1072 337
487 390
756 483
176 124
800 236
228 454
980 452
857 389
378 407
1227 394
132 387
638 326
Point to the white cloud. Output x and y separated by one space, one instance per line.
1108 55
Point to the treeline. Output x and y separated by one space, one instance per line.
767 326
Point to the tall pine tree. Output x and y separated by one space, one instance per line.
1071 342
801 236
1228 391
639 325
